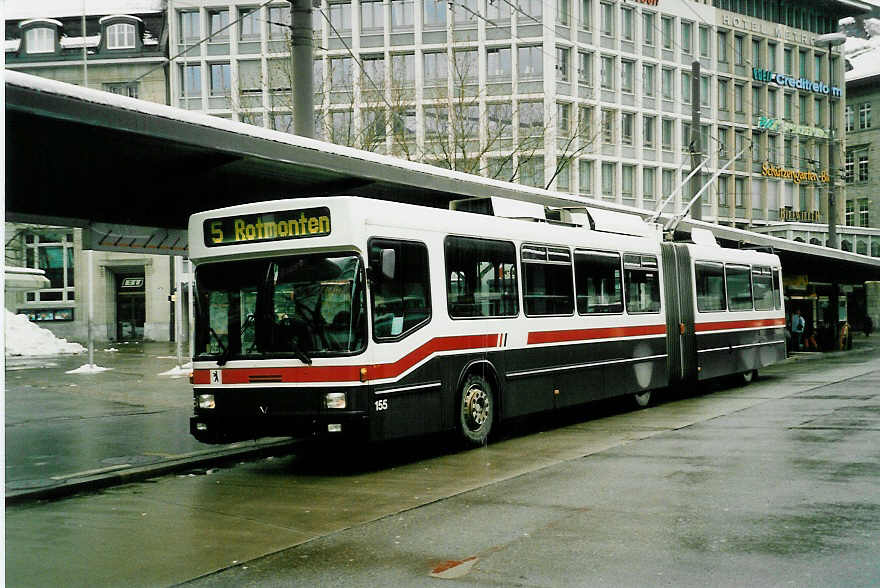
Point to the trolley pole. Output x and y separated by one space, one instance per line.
695 147
301 62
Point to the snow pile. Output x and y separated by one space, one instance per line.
864 54
88 368
25 338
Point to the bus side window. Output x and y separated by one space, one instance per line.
710 286
642 279
480 278
762 283
777 289
402 303
547 280
598 282
739 287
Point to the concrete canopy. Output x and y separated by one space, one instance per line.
76 156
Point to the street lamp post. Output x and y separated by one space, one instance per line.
830 41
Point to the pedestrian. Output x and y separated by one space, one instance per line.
869 326
797 329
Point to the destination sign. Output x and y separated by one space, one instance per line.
281 225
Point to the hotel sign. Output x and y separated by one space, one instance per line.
765 75
802 216
781 126
795 175
763 27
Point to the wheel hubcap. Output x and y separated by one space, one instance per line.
475 407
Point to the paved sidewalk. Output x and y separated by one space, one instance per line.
70 432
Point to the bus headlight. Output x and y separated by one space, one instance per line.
206 401
334 400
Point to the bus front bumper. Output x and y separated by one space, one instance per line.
213 428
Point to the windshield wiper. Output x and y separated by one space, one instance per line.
219 342
299 353
227 351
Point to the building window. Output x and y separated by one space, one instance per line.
723 183
279 22
817 111
608 126
129 89
756 52
402 14
667 179
436 68
648 79
340 16
667 31
585 68
626 24
463 12
218 21
531 62
722 47
606 17
531 119
723 89
563 119
585 124
498 63
865 115
191 76
627 76
787 106
667 134
627 122
771 56
563 65
739 194
648 20
608 171
40 40
705 36
649 177
403 69
563 12
533 10
249 24
738 56
686 89
802 109
787 60
606 73
627 180
586 13
850 215
435 13
51 250
739 98
687 34
531 172
190 27
220 79
649 123
585 179
121 36
771 103
849 117
667 84
864 212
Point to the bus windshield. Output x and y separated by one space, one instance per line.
296 306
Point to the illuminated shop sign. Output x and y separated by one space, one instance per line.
765 75
268 226
801 216
781 126
795 175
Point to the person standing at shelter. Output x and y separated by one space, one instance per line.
797 329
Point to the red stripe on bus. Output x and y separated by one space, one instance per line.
351 373
746 324
538 337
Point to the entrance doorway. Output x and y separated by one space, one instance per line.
131 308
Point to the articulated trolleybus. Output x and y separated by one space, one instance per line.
343 316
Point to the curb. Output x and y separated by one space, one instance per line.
139 473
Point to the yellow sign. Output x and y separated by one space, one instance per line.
269 226
795 175
810 216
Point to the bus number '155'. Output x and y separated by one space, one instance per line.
381 404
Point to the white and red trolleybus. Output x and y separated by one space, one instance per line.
342 316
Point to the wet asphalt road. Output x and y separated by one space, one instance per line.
777 483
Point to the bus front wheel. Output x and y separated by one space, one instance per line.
476 410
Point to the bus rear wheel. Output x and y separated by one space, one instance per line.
476 411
